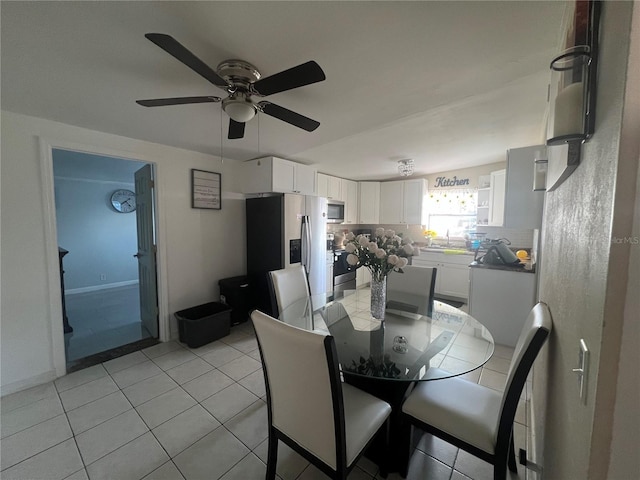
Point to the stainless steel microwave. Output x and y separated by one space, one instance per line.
335 211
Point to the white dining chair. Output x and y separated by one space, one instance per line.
475 418
328 422
412 290
289 285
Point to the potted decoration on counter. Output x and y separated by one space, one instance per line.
429 235
383 253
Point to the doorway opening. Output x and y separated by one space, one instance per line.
106 242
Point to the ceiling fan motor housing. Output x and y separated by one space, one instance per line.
238 74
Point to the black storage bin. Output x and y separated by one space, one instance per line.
203 324
235 292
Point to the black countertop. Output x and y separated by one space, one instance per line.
502 267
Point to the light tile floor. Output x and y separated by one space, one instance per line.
103 320
170 412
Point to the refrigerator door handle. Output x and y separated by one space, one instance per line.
306 243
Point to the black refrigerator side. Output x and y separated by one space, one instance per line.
265 239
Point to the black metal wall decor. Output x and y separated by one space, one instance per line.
572 93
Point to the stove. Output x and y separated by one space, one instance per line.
344 275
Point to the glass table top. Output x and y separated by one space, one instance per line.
407 346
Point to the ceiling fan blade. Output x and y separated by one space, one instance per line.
288 116
304 74
236 129
161 102
176 49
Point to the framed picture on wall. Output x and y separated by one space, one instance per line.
206 189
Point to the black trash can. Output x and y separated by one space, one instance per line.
235 292
203 324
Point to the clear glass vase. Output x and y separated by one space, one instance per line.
378 296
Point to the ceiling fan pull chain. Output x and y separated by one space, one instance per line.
221 139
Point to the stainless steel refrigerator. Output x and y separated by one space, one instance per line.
283 231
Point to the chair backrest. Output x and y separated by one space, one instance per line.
289 285
304 393
414 287
532 337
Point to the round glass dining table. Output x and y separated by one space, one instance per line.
413 343
419 340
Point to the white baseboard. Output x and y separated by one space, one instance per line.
28 383
95 288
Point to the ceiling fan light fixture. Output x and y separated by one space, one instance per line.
405 167
239 108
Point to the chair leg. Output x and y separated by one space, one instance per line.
500 461
272 456
511 459
384 468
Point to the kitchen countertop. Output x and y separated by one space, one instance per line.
447 250
501 267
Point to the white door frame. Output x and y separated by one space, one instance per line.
51 241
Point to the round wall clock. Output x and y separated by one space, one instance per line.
123 201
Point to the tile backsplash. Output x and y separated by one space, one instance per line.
519 238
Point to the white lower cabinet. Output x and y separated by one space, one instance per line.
501 300
452 279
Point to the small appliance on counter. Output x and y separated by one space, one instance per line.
497 252
502 290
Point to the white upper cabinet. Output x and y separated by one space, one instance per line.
282 176
391 202
334 188
415 193
323 185
350 189
403 202
304 179
496 197
331 187
523 207
272 174
369 205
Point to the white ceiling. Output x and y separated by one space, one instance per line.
449 84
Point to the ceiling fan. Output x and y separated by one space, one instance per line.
242 81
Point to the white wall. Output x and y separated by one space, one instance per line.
196 247
583 276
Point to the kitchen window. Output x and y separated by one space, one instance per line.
452 213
